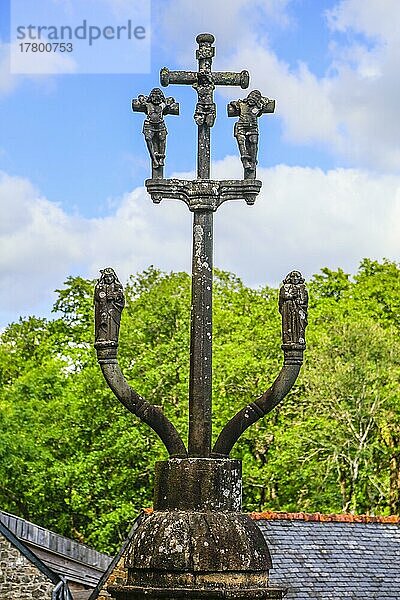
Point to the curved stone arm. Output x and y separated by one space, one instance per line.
293 304
109 302
148 413
257 409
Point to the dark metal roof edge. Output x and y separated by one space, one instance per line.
12 538
59 535
117 557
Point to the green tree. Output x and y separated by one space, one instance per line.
74 460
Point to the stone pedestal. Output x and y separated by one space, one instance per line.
197 544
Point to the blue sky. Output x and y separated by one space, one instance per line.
73 159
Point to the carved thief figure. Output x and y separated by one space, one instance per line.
246 129
109 302
293 303
155 106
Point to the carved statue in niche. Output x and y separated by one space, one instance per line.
109 301
293 304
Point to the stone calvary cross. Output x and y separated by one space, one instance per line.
192 479
203 196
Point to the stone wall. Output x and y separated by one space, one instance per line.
19 578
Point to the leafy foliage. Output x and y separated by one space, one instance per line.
75 461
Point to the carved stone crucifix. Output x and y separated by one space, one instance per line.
204 82
203 196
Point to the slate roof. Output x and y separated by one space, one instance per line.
333 557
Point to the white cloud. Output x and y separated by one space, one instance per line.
304 218
366 89
372 17
303 101
40 244
37 241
